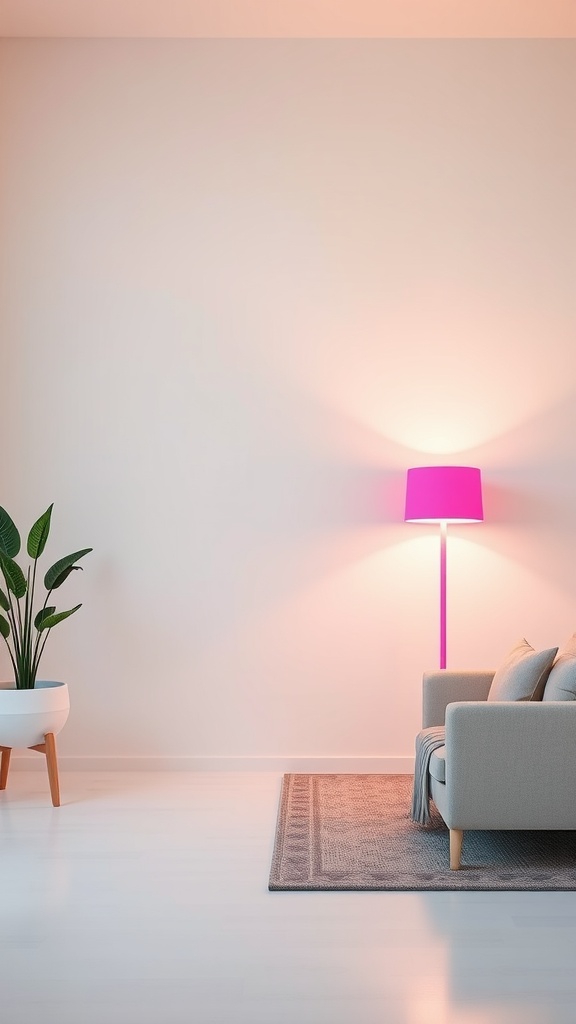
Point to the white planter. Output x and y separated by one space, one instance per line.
27 715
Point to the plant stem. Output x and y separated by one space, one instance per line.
5 639
30 612
15 633
36 660
26 649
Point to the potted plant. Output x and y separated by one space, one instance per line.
32 711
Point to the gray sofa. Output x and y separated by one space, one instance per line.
505 765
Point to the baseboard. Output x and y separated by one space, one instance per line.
361 765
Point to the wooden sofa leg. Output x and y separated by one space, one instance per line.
456 837
6 751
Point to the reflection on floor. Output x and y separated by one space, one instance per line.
143 900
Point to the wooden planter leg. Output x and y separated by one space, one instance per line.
49 748
6 751
52 768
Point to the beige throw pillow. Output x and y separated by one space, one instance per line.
561 684
523 674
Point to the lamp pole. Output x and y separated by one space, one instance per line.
443 538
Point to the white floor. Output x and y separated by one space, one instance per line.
143 900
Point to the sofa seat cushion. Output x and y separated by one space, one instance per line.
437 766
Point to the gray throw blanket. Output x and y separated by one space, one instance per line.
426 742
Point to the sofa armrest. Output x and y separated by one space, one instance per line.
511 765
444 686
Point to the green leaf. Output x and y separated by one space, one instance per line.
43 614
64 575
13 575
4 627
57 573
9 536
39 534
4 602
53 620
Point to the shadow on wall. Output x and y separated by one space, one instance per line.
530 495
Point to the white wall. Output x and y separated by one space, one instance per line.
245 284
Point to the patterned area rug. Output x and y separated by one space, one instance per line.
354 832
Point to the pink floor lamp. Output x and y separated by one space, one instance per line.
443 494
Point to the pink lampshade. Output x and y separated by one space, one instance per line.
451 494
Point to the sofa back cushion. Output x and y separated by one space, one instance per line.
523 674
561 683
